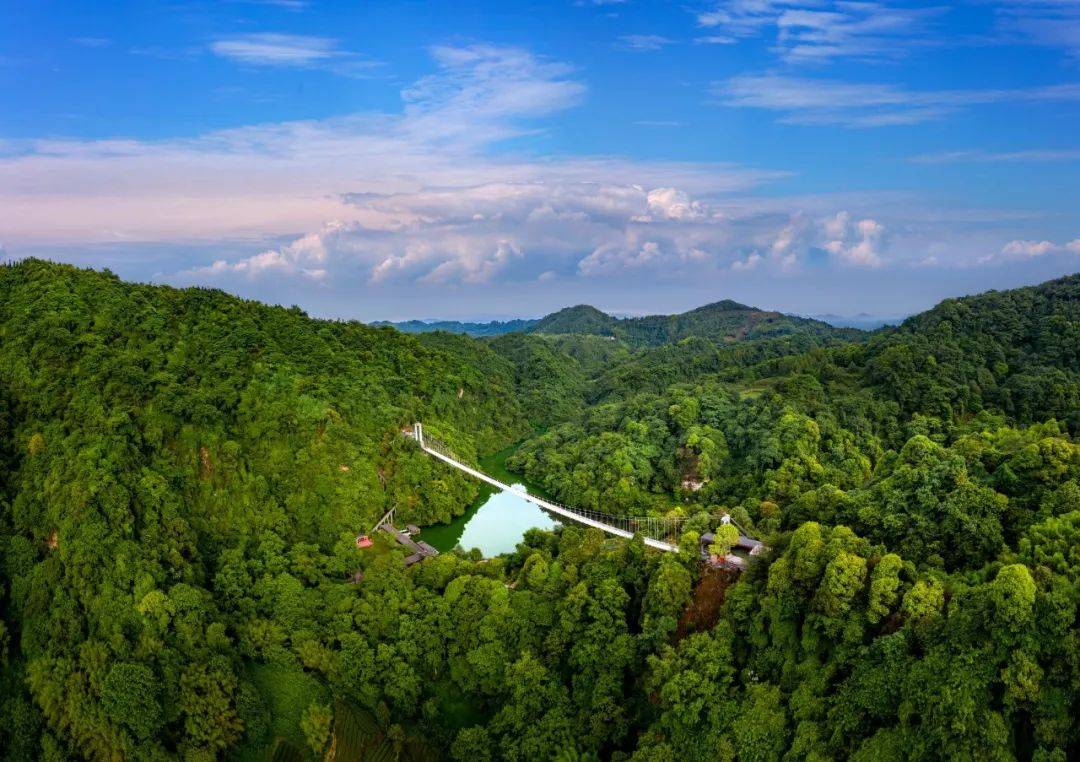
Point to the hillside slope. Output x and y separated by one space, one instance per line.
183 474
1016 350
724 321
768 420
162 449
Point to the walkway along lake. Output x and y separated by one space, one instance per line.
496 521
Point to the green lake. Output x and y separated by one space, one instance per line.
496 521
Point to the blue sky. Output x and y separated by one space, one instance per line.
471 160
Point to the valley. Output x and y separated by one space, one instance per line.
185 475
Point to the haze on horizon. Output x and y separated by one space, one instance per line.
393 163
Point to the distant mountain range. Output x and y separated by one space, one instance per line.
492 328
863 321
723 321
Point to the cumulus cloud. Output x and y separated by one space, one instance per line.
416 197
274 179
304 256
673 204
666 257
400 202
1028 249
751 262
857 242
848 240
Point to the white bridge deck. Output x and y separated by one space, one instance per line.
581 517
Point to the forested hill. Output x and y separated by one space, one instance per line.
196 376
727 418
721 321
1014 351
149 434
724 321
183 475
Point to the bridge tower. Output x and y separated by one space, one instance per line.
418 433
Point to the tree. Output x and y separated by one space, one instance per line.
761 729
1054 543
315 724
129 695
666 597
1013 596
206 701
472 745
725 538
884 587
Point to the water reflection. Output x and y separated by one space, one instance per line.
495 524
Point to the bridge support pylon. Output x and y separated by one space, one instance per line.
418 433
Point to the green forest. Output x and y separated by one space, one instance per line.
724 321
183 475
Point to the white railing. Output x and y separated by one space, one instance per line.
659 533
388 518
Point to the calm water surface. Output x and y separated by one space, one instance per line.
497 521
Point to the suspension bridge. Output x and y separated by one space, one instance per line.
658 533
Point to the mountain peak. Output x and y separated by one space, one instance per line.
724 305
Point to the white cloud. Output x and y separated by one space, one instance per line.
815 31
304 256
673 204
291 51
631 254
998 157
789 244
419 196
820 30
856 242
643 42
481 90
274 179
420 199
276 49
750 263
1049 23
741 17
855 104
1027 248
1021 250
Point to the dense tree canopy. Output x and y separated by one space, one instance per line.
183 474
